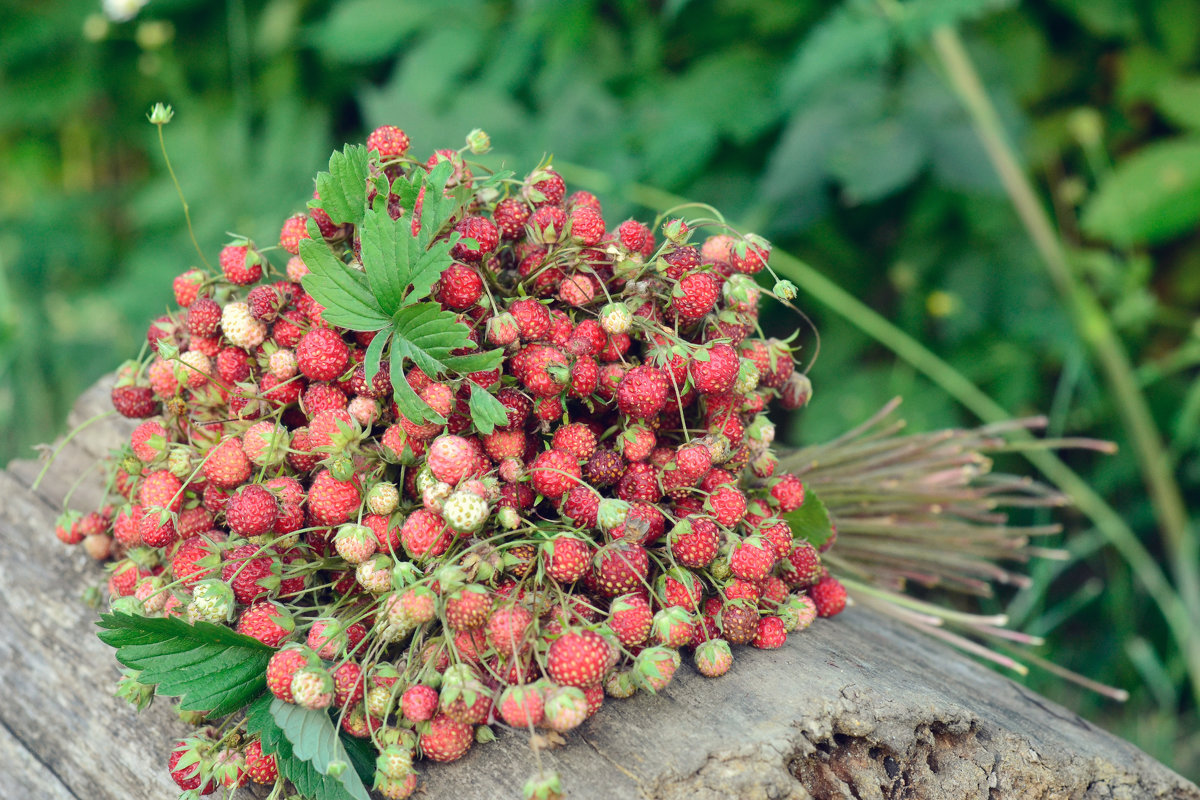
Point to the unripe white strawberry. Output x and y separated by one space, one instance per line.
747 377
364 409
150 592
566 708
282 364
212 601
394 761
355 543
616 318
312 687
434 495
465 511
383 498
375 574
611 513
241 328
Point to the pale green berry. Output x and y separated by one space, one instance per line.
394 761
611 513
785 290
465 512
747 377
375 574
616 318
383 498
212 601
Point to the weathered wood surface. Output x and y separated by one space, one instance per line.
853 708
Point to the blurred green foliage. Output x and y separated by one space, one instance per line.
828 128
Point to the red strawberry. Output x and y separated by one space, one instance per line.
252 511
694 296
187 778
581 506
294 229
642 392
468 608
586 225
621 568
266 621
713 658
577 658
788 492
226 465
566 558
322 355
752 559
694 542
446 739
771 633
716 372
348 685
187 287
521 706
829 595
452 458
332 502
485 234
135 402
460 287
508 628
419 703
549 188
161 489
389 141
533 319
630 618
425 535
576 439
261 768
282 668
727 505
510 216
542 369
553 473
640 482
241 264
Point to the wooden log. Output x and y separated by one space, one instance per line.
855 707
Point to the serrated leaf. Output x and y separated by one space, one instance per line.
343 292
309 782
343 190
315 739
374 354
853 35
437 208
209 667
811 520
486 411
1149 197
425 335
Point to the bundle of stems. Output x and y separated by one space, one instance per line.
922 527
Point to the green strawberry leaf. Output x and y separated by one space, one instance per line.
374 354
425 335
314 739
309 782
343 190
438 207
811 520
343 292
210 667
486 411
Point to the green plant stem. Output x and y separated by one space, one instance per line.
162 145
1091 321
1111 525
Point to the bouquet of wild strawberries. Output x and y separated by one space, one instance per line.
471 457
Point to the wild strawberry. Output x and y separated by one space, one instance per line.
749 255
452 458
630 618
576 439
252 511
716 371
266 621
425 535
713 658
261 768
204 317
241 264
322 355
187 777
161 489
546 188
508 628
604 468
134 402
565 708
788 492
521 706
389 141
752 559
419 703
586 225
226 465
829 596
186 287
483 232
577 658
312 687
566 558
581 506
672 626
694 542
738 621
694 296
771 633
468 608
282 668
542 369
553 473
621 568
460 287
640 482
727 505
533 319
779 535
446 739
642 392
294 229
510 216
332 502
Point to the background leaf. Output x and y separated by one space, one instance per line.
1153 195
810 521
209 667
